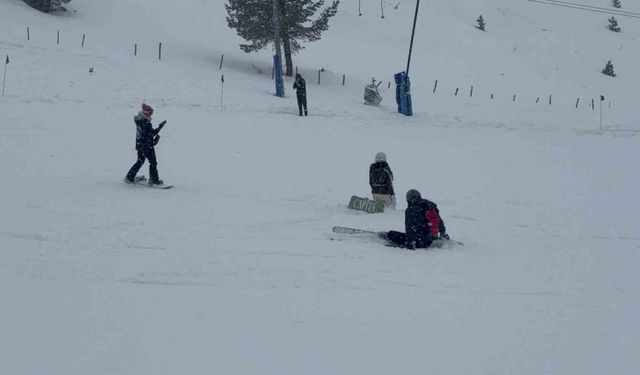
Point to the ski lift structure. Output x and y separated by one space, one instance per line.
371 94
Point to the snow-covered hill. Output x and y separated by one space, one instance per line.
235 270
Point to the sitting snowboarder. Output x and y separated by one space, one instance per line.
146 139
422 222
301 92
381 181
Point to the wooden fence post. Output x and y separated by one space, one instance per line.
58 39
160 51
593 104
28 33
221 61
538 100
471 92
135 49
344 77
549 99
83 35
514 97
435 86
319 71
389 85
577 102
456 94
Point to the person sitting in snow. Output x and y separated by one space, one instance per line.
301 92
381 181
422 222
146 139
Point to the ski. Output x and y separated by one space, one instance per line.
437 243
345 230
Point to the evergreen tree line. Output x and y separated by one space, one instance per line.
613 26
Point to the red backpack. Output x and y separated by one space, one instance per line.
433 220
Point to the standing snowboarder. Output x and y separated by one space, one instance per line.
422 222
381 181
146 139
301 92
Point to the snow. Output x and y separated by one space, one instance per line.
235 270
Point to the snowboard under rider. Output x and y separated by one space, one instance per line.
146 139
381 181
301 93
422 222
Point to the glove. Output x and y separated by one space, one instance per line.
156 139
445 236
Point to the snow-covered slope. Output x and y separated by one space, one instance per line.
235 270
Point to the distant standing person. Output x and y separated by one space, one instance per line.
381 181
301 92
146 139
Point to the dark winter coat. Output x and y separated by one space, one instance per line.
422 223
145 133
381 178
301 87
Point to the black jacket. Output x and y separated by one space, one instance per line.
144 133
300 86
419 218
381 178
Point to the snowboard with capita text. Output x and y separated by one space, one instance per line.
366 205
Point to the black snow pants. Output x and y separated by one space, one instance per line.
144 154
400 239
302 102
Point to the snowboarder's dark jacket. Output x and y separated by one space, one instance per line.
422 223
381 178
144 133
301 87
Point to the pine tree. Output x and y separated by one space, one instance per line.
481 24
48 5
613 25
616 3
248 17
608 69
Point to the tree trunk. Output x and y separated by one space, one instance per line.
286 42
287 56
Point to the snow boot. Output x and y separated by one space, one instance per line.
154 179
156 182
